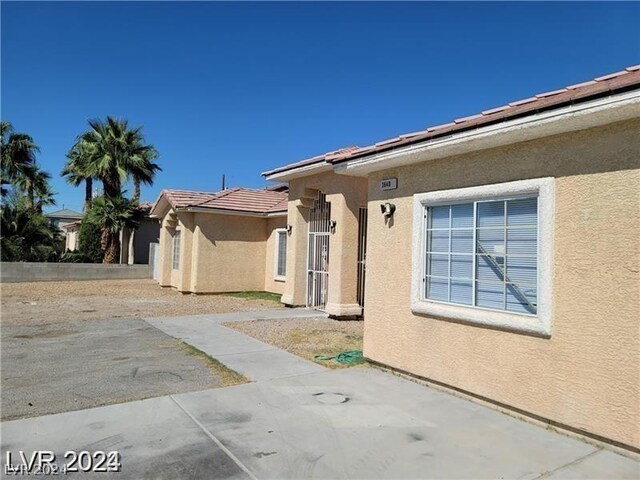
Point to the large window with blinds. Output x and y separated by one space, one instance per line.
176 250
485 254
281 254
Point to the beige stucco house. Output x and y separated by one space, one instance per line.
502 253
227 241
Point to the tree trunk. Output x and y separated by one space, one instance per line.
111 188
136 189
110 242
88 193
31 197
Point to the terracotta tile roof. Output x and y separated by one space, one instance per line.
247 200
185 198
628 78
234 199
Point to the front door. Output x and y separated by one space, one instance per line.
318 255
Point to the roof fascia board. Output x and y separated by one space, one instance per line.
298 172
221 211
160 207
568 119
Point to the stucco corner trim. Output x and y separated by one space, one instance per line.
287 299
539 325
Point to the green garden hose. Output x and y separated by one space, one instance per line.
353 357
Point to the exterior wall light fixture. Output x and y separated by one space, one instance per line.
289 228
387 209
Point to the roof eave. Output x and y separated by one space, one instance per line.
287 174
224 211
581 116
160 207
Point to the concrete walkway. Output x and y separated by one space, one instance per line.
253 358
292 423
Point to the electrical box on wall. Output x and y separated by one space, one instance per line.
389 184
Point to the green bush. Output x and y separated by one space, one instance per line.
74 257
89 240
27 235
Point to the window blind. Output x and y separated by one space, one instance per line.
483 254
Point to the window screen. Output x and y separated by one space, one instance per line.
483 254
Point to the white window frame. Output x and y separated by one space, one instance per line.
539 324
276 256
175 259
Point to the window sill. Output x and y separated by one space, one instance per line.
484 318
280 279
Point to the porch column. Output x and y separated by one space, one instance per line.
342 296
186 249
295 289
165 246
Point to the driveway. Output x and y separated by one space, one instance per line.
300 420
59 367
80 344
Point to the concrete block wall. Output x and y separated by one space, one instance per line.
14 272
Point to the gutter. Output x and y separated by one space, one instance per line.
581 116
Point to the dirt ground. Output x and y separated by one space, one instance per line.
306 337
74 345
53 302
74 365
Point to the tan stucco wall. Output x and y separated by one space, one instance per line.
270 283
587 374
231 253
219 253
346 195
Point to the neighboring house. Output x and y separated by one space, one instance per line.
66 221
232 240
501 249
72 230
135 243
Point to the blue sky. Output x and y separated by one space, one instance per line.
238 88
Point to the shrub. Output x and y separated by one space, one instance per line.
89 240
74 257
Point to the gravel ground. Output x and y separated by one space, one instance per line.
306 337
54 302
61 367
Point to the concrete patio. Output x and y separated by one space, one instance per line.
299 420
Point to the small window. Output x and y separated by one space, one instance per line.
281 254
484 255
176 250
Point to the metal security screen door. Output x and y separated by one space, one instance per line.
362 253
318 260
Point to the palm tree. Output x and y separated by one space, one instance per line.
77 170
117 153
113 214
145 174
37 188
27 236
18 155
